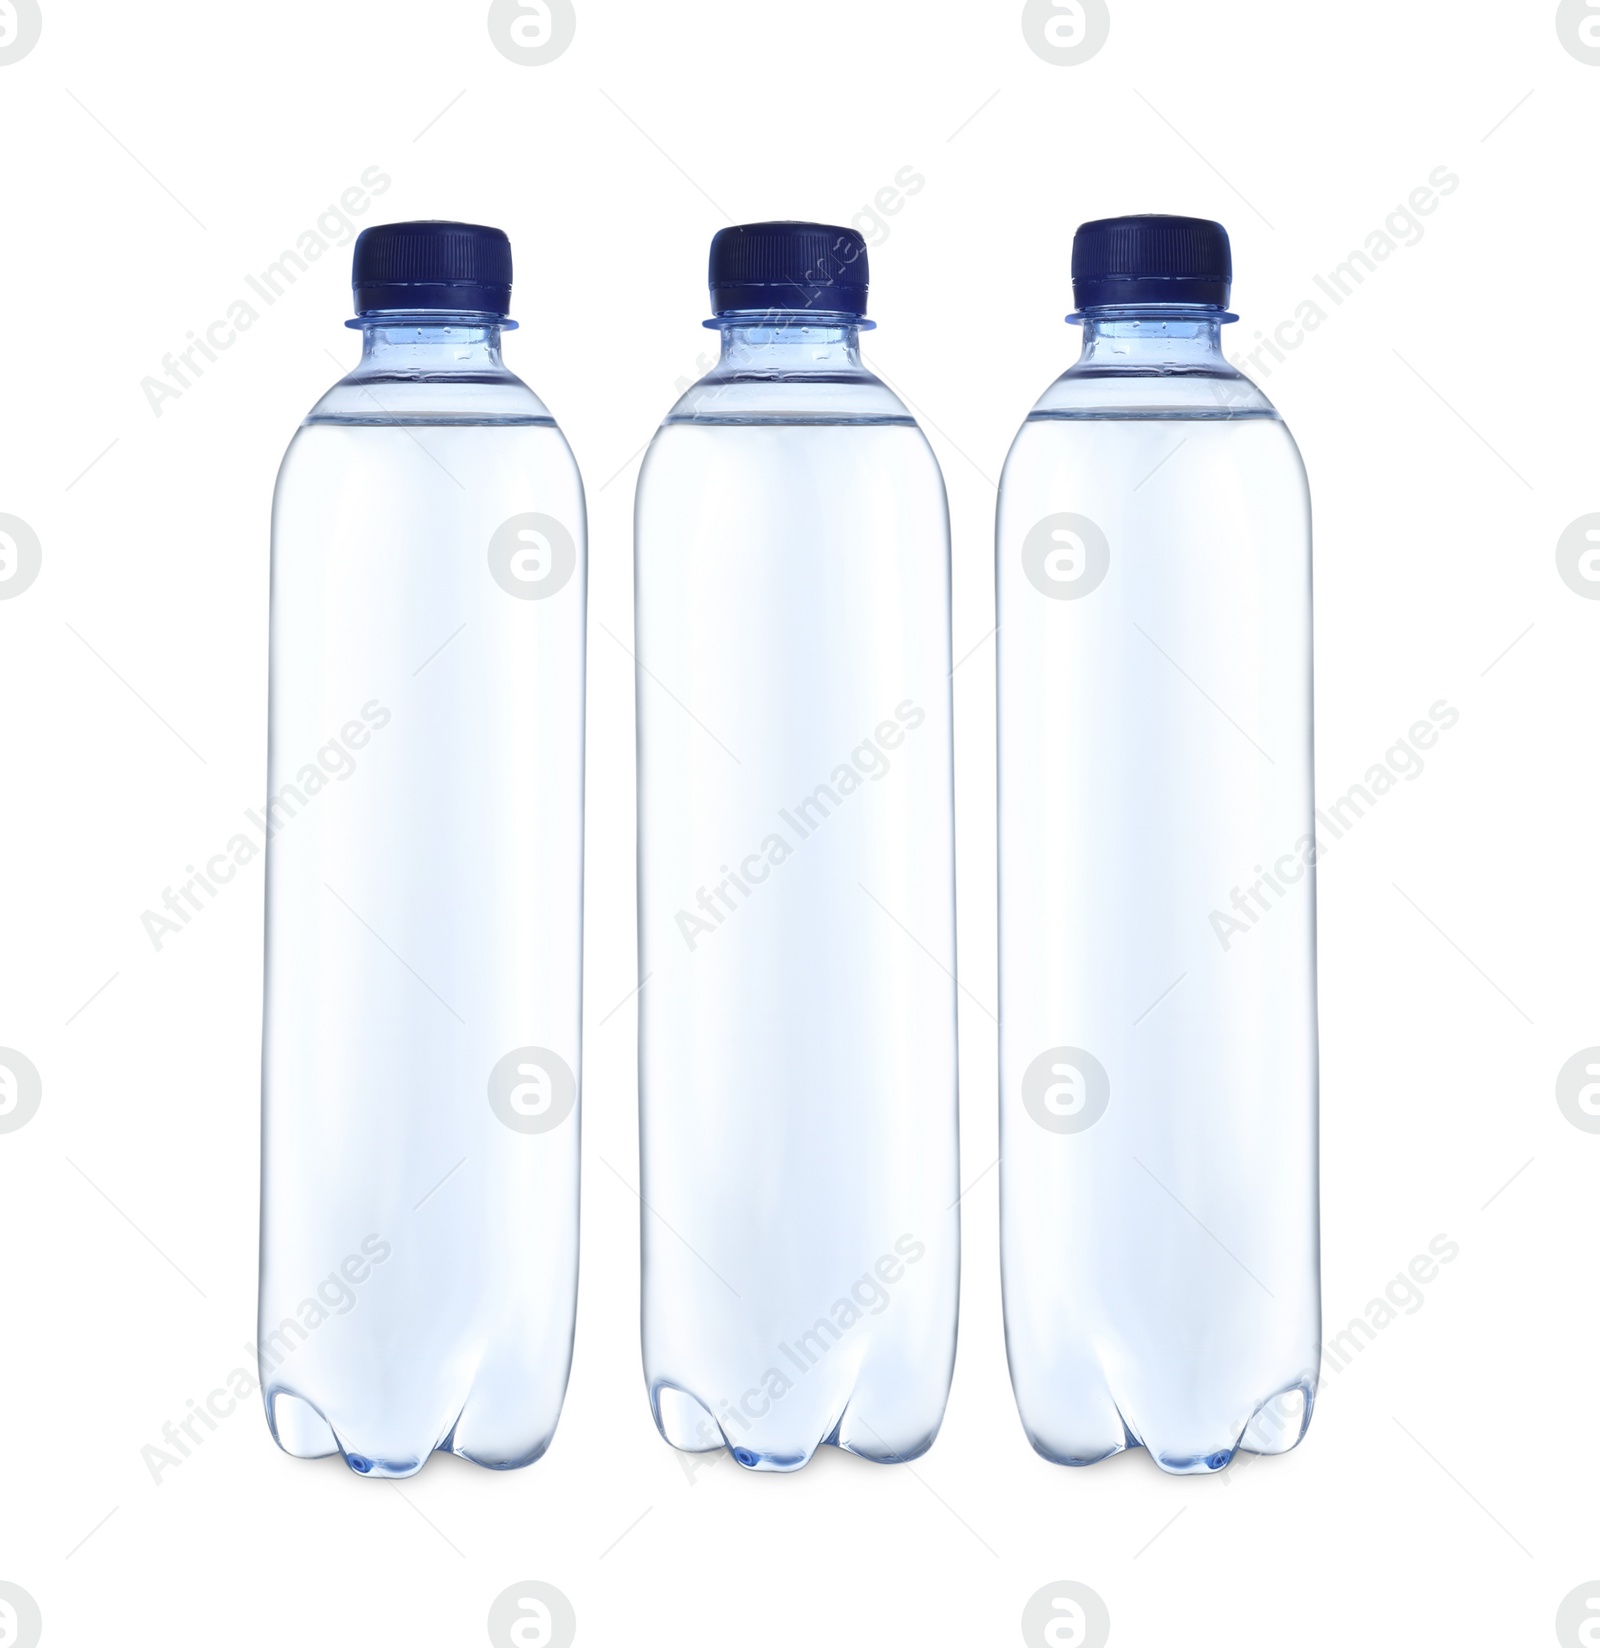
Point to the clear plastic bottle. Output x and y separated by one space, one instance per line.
1158 1062
424 886
797 1039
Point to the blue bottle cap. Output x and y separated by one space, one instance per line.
432 265
789 266
1151 259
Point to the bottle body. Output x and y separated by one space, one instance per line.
424 907
797 1055
1157 914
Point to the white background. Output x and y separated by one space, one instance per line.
1447 414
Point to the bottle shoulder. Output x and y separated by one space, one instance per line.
466 453
808 459
1144 454
1214 393
401 398
848 396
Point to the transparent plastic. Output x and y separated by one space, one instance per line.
1158 1063
797 1035
420 1059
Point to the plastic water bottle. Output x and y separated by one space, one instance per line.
797 1036
1158 1060
424 886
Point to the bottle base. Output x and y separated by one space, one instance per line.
689 1426
1277 1425
301 1430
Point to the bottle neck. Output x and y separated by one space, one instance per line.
777 344
781 365
433 366
1150 338
433 345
